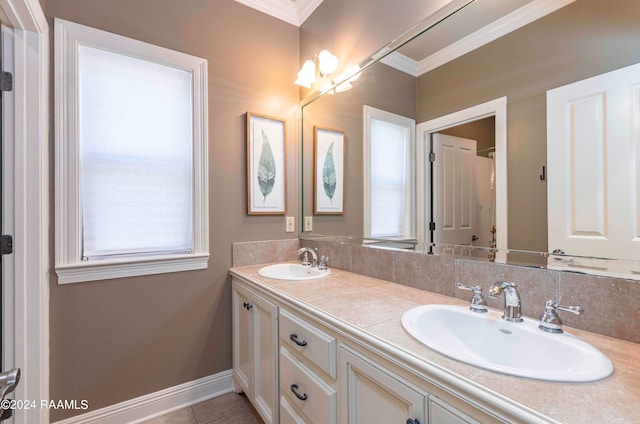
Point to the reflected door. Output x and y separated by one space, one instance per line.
593 154
454 190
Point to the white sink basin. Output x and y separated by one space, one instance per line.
520 349
292 272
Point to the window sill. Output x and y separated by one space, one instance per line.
120 268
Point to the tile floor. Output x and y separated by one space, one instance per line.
231 408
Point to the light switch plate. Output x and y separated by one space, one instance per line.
308 223
290 224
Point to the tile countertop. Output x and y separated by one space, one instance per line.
376 306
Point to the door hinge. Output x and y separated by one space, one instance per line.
6 81
432 157
6 244
432 226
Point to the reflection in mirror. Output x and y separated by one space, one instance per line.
471 221
426 80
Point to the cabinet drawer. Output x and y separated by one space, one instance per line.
287 413
310 342
315 399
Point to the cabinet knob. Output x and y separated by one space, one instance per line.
247 306
294 390
413 421
294 338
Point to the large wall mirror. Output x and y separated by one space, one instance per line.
445 138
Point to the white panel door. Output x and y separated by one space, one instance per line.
454 189
592 158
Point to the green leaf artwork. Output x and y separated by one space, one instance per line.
329 174
266 168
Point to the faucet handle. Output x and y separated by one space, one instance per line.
305 259
550 320
322 265
478 302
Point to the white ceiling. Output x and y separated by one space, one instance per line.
294 12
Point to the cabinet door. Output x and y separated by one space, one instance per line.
441 412
255 350
241 334
372 394
265 358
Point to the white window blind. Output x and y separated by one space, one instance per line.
136 155
390 183
388 178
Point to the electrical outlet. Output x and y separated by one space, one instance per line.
308 223
290 224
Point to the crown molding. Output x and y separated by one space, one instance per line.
294 12
401 63
503 26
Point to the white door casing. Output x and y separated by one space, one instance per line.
496 108
593 159
454 189
25 53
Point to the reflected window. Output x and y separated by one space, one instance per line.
389 175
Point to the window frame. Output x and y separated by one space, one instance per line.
69 266
409 227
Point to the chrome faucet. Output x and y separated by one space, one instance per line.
478 302
512 303
550 321
305 259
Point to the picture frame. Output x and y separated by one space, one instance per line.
266 165
328 171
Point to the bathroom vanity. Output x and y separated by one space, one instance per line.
333 350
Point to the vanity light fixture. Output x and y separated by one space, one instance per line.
326 65
326 62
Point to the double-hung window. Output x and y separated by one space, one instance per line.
389 151
131 157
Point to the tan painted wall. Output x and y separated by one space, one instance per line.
581 40
115 340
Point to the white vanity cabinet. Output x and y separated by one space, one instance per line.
301 367
255 350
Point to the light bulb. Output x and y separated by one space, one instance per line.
327 62
307 74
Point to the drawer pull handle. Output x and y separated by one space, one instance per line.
294 338
294 390
413 421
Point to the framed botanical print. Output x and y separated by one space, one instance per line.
266 165
328 186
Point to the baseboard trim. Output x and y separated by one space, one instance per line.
159 403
